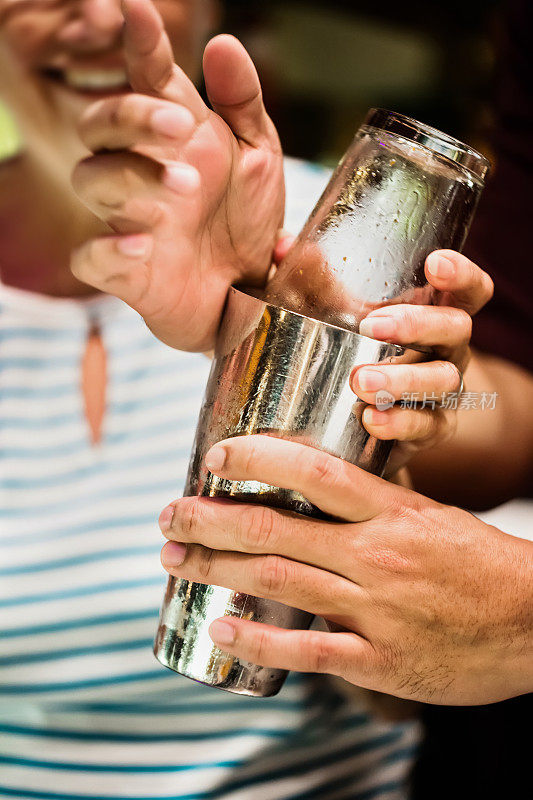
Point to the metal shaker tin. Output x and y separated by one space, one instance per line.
282 363
279 373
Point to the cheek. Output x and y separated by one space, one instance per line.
28 36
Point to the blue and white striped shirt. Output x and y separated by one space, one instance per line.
85 709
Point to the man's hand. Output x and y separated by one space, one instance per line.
424 601
446 329
180 184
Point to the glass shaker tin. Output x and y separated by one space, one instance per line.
402 190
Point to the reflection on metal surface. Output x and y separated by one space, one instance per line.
279 373
282 364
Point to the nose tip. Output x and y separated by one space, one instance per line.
95 25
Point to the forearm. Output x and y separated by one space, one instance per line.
489 459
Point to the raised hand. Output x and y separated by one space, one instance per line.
195 196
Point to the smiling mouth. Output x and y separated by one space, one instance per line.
90 80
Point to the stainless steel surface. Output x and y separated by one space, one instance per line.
402 190
282 367
274 372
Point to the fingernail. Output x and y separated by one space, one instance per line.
440 266
138 245
181 178
173 554
374 417
165 518
215 458
370 380
222 632
172 121
377 327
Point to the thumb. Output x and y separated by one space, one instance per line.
234 89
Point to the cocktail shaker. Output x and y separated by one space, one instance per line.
283 358
402 190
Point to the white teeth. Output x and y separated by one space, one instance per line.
95 79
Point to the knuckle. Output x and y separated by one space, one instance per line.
272 575
252 454
387 555
406 424
409 323
424 424
411 379
256 528
88 263
390 658
161 80
262 646
450 375
404 510
322 468
321 656
205 561
123 111
148 212
187 518
389 560
473 273
463 321
115 113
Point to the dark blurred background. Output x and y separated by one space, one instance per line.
323 63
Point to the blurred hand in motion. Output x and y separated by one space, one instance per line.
423 600
178 183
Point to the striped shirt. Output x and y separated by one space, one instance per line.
85 709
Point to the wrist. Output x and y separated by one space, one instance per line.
516 665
